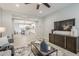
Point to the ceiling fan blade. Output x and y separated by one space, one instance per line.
38 6
26 3
47 5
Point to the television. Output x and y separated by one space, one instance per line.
64 25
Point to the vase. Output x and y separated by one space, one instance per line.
44 46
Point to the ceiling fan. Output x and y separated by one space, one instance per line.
38 5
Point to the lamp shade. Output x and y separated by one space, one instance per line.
2 29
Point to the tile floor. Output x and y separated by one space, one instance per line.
23 41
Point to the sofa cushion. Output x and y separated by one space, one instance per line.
3 40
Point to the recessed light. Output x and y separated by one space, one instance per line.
17 5
40 12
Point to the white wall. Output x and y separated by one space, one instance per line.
0 16
63 14
48 25
7 22
39 29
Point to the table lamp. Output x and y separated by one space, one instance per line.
2 29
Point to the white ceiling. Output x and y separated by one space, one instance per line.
31 10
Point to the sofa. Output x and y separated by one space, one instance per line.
5 47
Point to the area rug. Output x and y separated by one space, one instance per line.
26 51
23 51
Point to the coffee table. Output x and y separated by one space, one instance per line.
52 49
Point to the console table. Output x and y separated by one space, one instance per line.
70 43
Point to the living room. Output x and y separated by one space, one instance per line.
23 23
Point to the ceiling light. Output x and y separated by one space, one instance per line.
40 12
39 3
17 5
